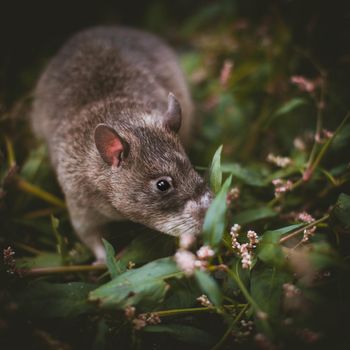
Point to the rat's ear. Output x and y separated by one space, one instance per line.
173 115
112 148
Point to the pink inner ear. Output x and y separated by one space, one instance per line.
114 149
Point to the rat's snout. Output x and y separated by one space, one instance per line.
197 208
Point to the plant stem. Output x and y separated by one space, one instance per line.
10 153
295 185
27 248
230 328
41 212
318 126
235 276
326 146
62 269
173 312
300 230
38 192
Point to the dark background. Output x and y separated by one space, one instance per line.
31 31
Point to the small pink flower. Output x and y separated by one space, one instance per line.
186 240
303 83
226 72
205 252
305 217
186 261
204 301
282 162
282 186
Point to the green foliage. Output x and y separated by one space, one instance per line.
50 300
216 172
251 215
112 264
285 283
183 333
215 222
342 209
145 286
209 287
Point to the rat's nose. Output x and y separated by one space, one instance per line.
203 204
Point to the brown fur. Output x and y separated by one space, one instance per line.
121 78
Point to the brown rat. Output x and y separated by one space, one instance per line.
107 109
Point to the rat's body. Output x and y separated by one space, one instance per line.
103 107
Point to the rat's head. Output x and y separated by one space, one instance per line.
150 178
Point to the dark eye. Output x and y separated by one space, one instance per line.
163 185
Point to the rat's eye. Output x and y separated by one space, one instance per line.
163 185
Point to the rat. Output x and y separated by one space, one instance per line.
115 112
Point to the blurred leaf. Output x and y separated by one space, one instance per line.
51 300
147 247
34 163
269 248
215 171
247 176
342 209
145 286
41 260
182 294
183 333
209 287
288 107
62 248
266 288
322 256
215 218
252 215
101 335
112 264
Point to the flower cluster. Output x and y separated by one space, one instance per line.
244 250
204 301
303 83
324 136
187 240
308 232
305 217
141 320
246 329
232 195
299 144
290 290
226 72
188 262
281 186
282 162
9 260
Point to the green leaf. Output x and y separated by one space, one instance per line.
41 260
252 215
215 218
112 264
342 209
247 176
51 300
61 244
269 248
215 171
144 286
266 288
286 108
209 287
182 333
182 294
147 247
